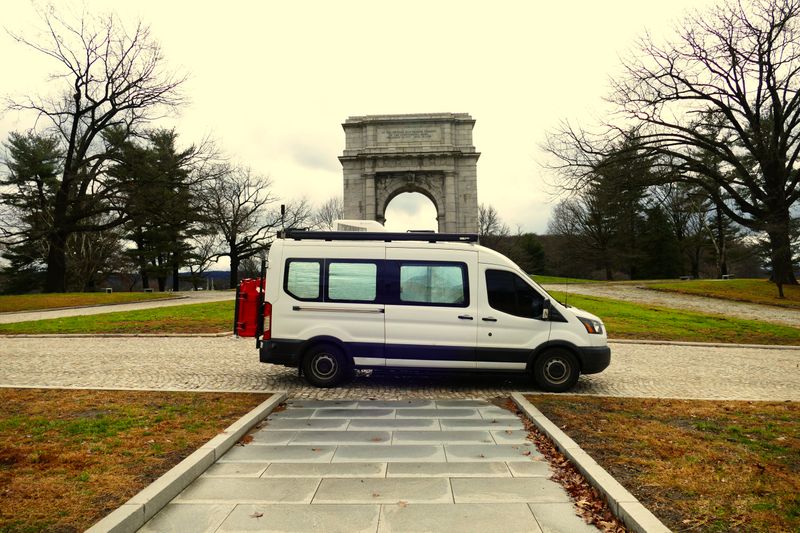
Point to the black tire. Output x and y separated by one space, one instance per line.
325 365
556 370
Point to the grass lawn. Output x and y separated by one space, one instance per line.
69 457
555 280
759 291
192 318
698 465
32 302
626 320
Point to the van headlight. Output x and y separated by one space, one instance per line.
594 327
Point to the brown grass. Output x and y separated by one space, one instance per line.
69 457
759 291
32 302
698 465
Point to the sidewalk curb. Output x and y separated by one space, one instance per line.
622 503
705 344
134 513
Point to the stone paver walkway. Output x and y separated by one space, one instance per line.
185 298
228 363
689 302
407 465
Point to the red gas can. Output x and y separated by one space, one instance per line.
247 315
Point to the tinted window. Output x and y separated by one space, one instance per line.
352 281
432 284
510 294
302 279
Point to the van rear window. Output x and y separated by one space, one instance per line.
432 284
302 279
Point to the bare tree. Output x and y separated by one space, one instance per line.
726 91
324 217
241 209
109 78
489 222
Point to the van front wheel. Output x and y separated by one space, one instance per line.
325 365
556 370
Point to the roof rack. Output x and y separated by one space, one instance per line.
300 235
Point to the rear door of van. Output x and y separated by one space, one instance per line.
431 307
335 295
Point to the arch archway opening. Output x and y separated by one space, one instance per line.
411 211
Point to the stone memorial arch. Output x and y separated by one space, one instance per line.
432 154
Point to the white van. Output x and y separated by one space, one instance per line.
337 301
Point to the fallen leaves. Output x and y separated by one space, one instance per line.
589 505
247 439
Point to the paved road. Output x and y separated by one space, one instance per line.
462 465
632 293
192 297
227 363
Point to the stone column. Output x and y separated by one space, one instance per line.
369 196
449 208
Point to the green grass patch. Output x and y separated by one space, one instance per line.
33 302
759 291
698 465
192 318
555 280
626 320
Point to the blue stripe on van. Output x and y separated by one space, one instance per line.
285 351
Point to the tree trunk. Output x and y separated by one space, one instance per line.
722 246
234 276
781 257
694 259
56 277
176 281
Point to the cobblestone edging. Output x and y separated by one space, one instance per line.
133 514
622 503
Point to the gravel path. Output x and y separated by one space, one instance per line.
192 297
632 293
227 363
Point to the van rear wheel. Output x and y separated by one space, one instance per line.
556 370
325 365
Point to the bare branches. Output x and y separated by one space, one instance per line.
717 108
109 81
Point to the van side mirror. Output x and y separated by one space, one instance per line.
546 310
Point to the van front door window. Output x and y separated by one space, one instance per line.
509 293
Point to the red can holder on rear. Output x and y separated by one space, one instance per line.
247 296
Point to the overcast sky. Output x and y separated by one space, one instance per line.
273 81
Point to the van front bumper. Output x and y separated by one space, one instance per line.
594 359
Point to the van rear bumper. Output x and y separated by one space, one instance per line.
280 352
594 359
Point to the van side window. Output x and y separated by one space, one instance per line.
353 282
510 294
433 284
302 279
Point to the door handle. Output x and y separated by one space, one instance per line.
489 319
465 317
